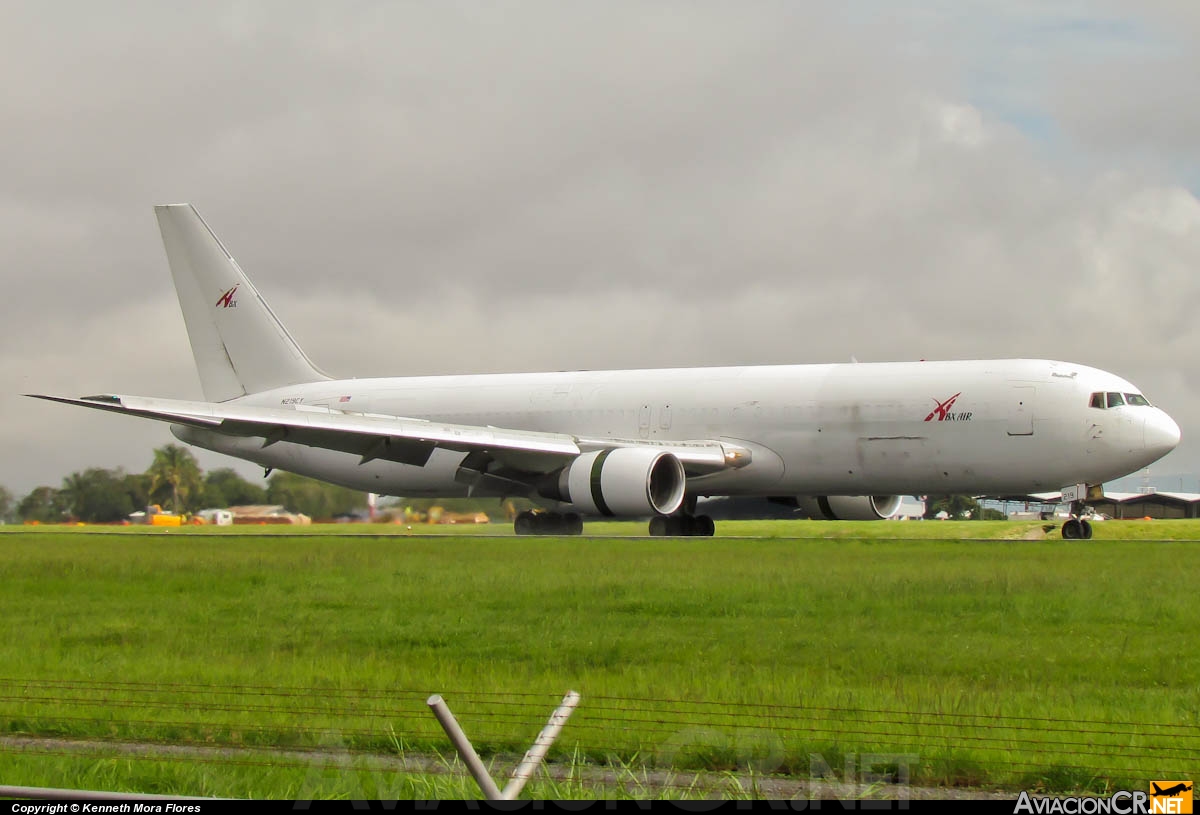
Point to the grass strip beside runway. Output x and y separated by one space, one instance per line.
1004 662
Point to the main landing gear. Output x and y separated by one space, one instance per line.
1075 528
682 525
548 523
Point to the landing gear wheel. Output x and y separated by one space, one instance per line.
678 526
1076 528
548 523
525 523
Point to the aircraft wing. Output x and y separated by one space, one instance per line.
409 441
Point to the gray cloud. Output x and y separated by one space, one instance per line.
449 188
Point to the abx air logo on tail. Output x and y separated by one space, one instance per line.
943 411
226 300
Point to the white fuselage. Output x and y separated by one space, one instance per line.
977 426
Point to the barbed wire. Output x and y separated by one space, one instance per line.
627 704
337 759
449 769
691 731
662 728
1031 746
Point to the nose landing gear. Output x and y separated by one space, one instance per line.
1075 528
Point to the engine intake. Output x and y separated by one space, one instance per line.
620 481
850 507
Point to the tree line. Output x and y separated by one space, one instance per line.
175 482
960 507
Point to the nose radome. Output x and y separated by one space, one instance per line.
1161 433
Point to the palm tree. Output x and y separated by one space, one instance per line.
174 468
74 487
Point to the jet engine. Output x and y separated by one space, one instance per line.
850 507
627 481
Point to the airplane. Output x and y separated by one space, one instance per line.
840 441
1170 792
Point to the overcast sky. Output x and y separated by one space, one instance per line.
448 188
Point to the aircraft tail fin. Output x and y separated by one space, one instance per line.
239 344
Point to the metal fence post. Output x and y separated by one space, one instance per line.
541 746
465 751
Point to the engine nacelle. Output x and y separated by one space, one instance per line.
850 507
628 481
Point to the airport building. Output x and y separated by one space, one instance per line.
1149 505
1121 505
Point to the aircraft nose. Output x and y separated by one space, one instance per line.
1161 433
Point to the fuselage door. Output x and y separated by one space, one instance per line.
1020 411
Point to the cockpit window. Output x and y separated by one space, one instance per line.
1110 400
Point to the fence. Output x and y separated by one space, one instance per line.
647 746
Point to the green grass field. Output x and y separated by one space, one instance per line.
1007 662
